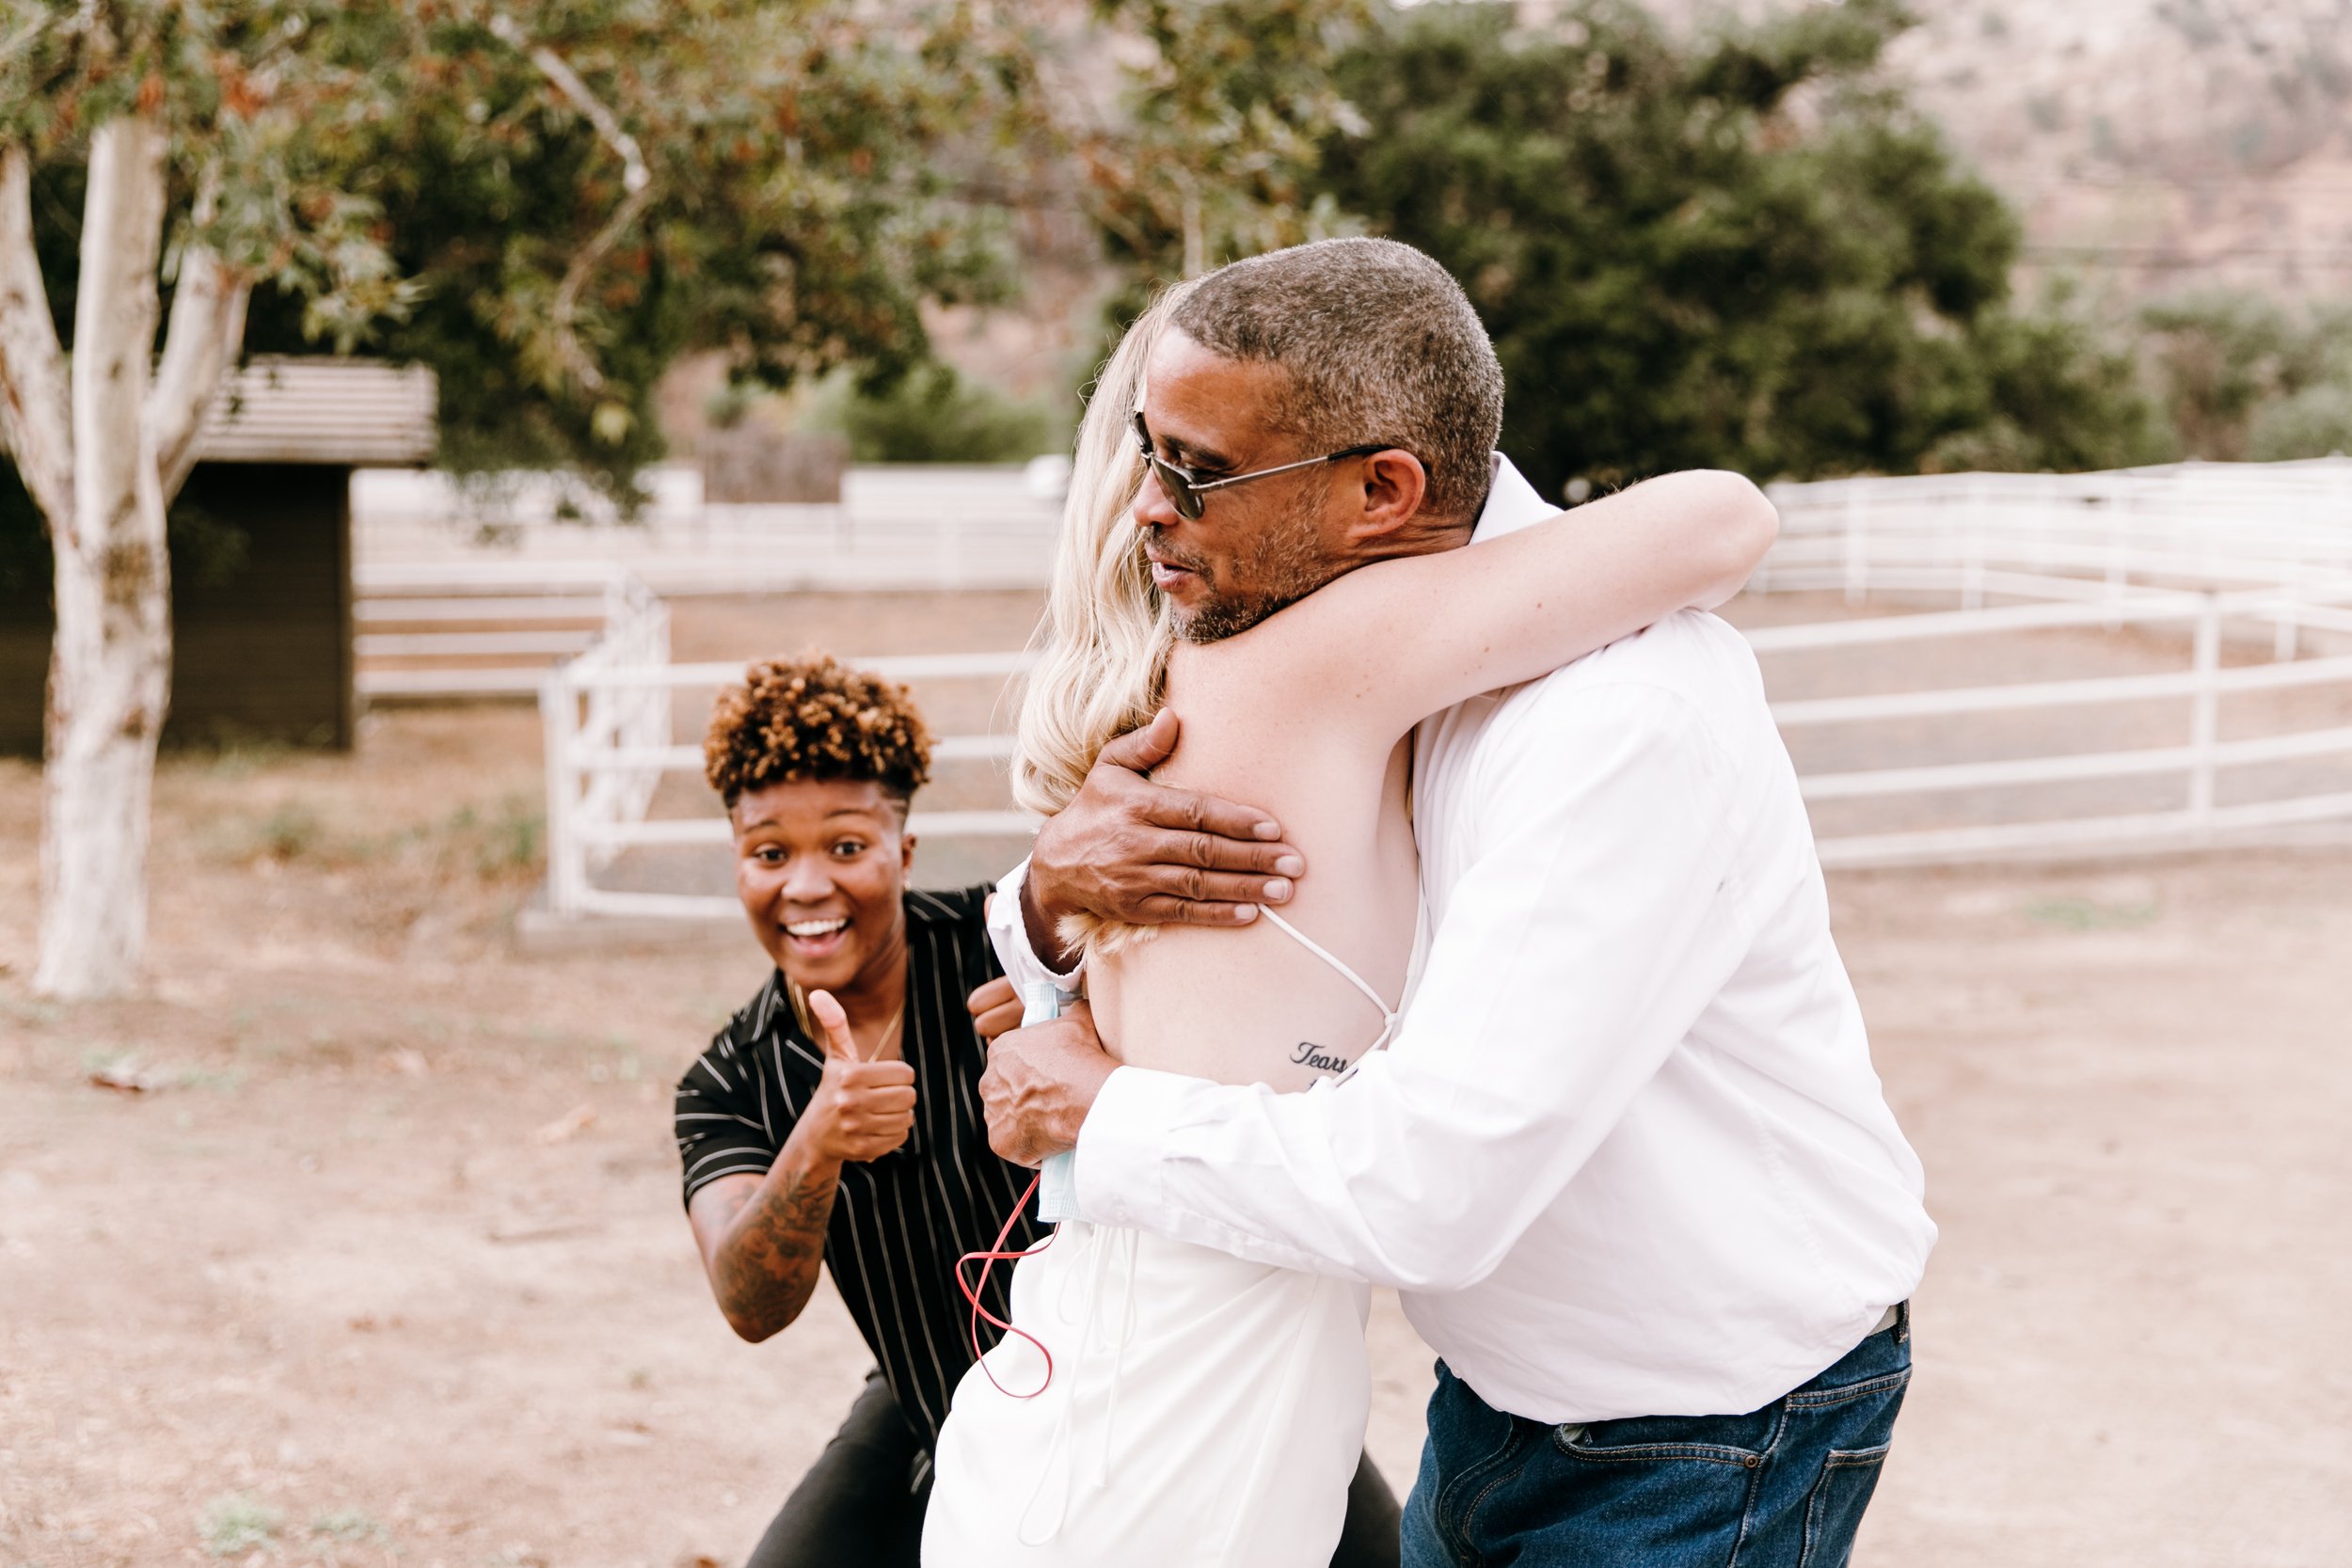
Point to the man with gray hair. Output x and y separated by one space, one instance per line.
1625 1159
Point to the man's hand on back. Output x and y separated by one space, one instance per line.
1130 850
1040 1083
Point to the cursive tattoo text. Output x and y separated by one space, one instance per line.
1310 1054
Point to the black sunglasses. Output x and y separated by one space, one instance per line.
1184 488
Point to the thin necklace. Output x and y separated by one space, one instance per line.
890 1036
809 1026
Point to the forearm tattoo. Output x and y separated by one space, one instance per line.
768 1265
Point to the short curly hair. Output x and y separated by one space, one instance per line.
814 718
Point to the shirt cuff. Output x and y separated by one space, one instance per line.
1121 1141
1009 933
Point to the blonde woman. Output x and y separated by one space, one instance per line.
1284 581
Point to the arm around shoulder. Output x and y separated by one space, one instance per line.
1584 936
1402 639
1733 524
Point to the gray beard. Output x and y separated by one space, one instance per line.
1285 565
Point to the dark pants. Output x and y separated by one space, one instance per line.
1780 1487
857 1508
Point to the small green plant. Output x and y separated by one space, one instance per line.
2085 914
499 842
511 840
239 759
108 1058
351 1525
289 830
234 1525
36 1014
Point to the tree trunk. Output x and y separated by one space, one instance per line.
109 673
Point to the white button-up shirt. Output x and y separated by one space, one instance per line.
1627 1154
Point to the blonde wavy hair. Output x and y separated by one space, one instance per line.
1104 642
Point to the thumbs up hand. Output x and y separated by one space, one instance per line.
862 1110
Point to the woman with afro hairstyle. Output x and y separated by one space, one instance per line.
836 1119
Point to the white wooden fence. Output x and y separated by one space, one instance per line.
2215 554
2200 756
485 629
2193 524
2245 575
605 751
912 525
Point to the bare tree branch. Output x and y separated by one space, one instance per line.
636 180
206 327
114 326
35 407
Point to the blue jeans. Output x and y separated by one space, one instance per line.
1780 1487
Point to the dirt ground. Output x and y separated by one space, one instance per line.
385 1262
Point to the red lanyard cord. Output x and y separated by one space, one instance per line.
988 1261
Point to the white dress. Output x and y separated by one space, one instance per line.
1203 1412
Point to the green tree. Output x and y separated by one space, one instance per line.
2062 391
1737 248
933 415
2243 377
547 203
1224 107
2315 421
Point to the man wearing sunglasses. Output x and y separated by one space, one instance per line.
1263 568
1625 1159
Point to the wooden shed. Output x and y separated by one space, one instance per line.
261 580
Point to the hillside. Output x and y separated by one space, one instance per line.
2155 143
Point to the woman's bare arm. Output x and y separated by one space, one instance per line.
1400 640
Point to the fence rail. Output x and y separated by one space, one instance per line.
599 823
2248 549
434 629
2256 562
895 527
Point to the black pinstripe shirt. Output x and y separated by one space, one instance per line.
900 1221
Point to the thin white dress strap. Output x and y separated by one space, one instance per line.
1419 960
1387 1013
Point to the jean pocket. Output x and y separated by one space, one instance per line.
1736 1440
1834 1513
1811 1397
1649 1489
1472 1443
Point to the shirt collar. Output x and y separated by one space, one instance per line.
1512 504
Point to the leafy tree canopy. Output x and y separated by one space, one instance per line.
2244 377
1737 248
1222 110
548 203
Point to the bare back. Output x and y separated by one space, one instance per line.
1308 715
1205 1003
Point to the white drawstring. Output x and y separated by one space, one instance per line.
1118 1356
1118 1249
1079 1233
